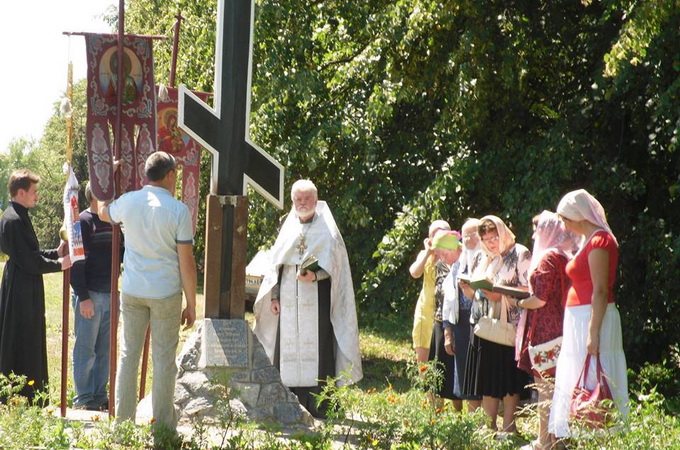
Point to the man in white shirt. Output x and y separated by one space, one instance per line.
158 265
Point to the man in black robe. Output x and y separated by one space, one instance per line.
23 347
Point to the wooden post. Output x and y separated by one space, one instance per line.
225 256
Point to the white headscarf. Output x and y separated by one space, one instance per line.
551 236
467 255
580 205
437 225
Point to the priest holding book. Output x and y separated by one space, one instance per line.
305 315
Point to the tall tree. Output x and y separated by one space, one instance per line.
407 111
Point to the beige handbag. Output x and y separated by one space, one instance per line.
500 330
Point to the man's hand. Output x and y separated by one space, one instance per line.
188 317
86 308
309 276
275 307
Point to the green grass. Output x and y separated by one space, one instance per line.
387 409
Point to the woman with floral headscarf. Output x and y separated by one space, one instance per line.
592 325
492 370
542 319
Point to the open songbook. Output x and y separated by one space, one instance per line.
486 284
310 263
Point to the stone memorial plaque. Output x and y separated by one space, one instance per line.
224 343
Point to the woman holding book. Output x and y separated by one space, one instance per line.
543 312
592 325
495 375
426 266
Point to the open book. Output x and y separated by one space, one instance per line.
310 263
486 284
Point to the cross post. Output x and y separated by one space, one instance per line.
237 161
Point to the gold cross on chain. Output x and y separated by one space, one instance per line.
302 246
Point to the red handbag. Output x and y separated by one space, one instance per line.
587 405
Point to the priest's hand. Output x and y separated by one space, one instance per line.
86 308
65 262
62 250
275 306
309 276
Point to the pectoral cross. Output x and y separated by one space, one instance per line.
302 246
223 130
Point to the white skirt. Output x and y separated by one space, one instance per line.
571 359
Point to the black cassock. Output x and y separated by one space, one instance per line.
23 348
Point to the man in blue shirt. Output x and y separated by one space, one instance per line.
159 264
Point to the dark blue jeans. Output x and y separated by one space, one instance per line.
91 352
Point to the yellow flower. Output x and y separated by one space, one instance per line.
31 383
153 420
423 368
96 418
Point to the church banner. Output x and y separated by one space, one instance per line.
72 218
138 131
173 140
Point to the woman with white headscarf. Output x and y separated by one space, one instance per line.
426 265
543 312
493 371
592 325
456 310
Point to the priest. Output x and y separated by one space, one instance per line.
23 346
305 315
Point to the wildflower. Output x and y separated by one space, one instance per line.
438 410
95 418
423 368
375 442
31 383
153 420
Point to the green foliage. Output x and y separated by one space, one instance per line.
662 377
403 112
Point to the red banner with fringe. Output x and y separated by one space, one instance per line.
175 141
138 131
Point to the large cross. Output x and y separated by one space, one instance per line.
237 161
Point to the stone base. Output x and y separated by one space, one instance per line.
242 375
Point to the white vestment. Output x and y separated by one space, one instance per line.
298 321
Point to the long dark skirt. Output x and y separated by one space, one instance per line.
498 372
308 395
471 386
445 362
461 337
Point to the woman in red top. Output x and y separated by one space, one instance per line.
591 320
